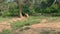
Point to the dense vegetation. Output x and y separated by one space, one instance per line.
11 7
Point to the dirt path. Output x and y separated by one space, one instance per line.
7 24
45 23
42 28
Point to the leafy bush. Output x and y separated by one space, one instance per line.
44 6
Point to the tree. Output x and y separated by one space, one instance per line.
58 2
19 3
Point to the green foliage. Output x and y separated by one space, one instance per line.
39 6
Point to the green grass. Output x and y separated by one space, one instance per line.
27 22
31 20
44 32
5 18
5 31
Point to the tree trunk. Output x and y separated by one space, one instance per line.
26 2
20 7
58 2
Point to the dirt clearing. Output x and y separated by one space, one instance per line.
6 24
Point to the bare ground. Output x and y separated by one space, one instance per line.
7 23
44 26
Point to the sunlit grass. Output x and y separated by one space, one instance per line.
3 19
32 20
29 21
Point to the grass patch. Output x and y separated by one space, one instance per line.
45 32
5 18
31 20
5 31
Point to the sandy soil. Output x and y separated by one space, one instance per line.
43 26
7 24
